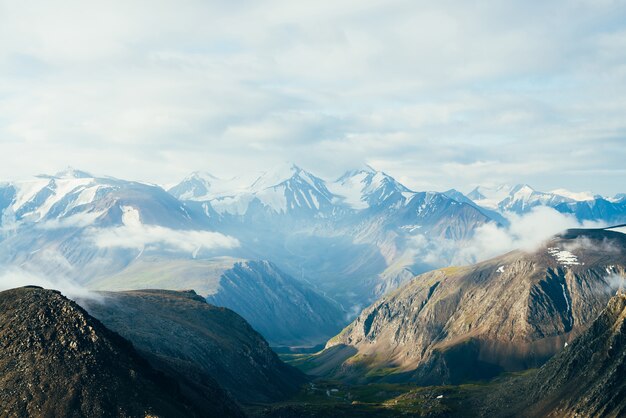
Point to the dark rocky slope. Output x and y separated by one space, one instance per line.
57 360
283 309
183 335
509 313
586 379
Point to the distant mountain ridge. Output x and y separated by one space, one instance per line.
522 198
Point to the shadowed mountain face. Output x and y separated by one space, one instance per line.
285 310
509 313
585 379
57 360
198 343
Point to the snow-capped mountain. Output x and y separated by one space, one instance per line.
490 197
76 198
575 196
283 190
585 206
522 197
367 188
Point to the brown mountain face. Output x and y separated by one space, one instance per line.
586 379
198 343
57 360
509 313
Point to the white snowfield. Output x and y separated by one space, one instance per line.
563 257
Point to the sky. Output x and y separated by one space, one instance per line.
438 94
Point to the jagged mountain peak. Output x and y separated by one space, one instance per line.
279 174
367 187
364 169
196 186
522 188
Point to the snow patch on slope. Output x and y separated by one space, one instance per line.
564 257
130 216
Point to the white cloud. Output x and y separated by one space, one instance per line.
526 232
79 220
12 277
139 236
428 90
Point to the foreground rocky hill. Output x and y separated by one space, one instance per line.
57 360
509 313
198 343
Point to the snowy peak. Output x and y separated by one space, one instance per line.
365 188
288 188
366 169
520 198
490 197
195 186
278 175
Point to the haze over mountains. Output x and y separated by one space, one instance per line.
340 244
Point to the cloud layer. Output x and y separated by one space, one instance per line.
524 232
141 236
441 94
12 277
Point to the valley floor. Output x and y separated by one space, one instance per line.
326 398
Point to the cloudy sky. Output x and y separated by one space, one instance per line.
439 94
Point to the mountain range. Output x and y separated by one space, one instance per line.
286 235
